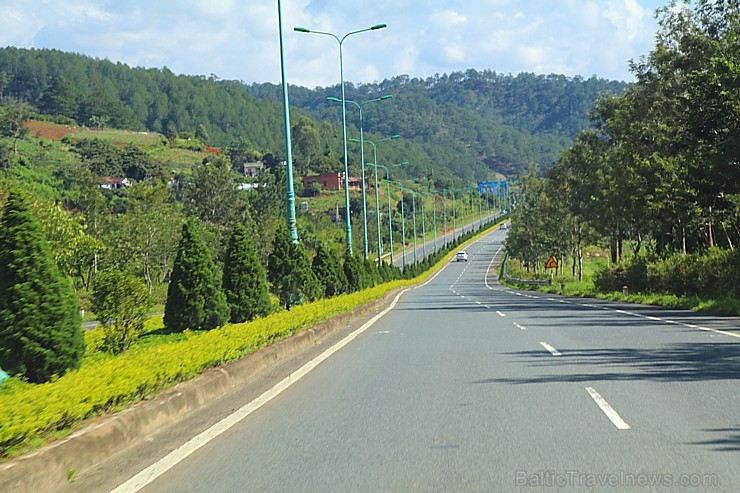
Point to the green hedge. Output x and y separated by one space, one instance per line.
714 273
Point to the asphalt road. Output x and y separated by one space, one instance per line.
468 386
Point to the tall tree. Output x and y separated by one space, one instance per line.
245 280
60 98
307 143
195 298
144 240
213 195
11 122
40 326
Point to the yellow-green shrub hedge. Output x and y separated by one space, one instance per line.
32 410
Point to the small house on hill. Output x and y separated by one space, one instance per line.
112 183
252 169
333 181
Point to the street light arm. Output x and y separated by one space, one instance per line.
311 31
371 28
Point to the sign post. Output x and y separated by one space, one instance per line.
551 264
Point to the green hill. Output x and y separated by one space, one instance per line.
463 126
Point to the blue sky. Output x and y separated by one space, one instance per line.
238 40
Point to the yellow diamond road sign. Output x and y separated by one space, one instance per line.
551 263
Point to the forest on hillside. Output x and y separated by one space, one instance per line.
466 126
500 122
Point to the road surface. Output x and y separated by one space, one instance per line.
466 385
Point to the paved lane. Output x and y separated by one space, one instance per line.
468 386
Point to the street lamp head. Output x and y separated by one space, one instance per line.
378 26
332 98
301 29
354 140
387 96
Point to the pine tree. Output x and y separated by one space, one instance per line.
354 269
289 272
245 280
40 326
328 269
195 299
372 274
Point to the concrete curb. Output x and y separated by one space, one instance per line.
47 469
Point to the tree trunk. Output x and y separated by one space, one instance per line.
613 250
729 240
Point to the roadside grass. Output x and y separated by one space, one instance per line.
568 285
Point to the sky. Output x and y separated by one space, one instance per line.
239 40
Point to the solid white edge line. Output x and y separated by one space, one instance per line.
485 279
163 465
552 350
608 410
657 319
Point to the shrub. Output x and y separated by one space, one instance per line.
121 302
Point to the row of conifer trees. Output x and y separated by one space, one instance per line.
41 333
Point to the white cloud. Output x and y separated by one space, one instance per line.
455 53
239 40
448 17
17 28
627 16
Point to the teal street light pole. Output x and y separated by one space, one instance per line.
390 212
488 205
444 214
434 217
454 216
344 116
290 193
462 207
375 165
403 229
480 212
413 215
423 230
362 160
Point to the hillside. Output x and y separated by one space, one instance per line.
505 123
463 126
